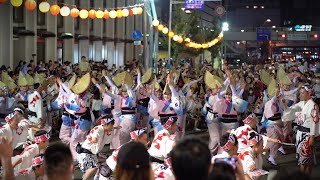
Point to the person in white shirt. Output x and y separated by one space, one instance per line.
35 172
307 113
97 138
229 145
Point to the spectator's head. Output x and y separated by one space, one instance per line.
37 165
169 124
222 171
133 163
140 135
229 144
58 162
191 159
42 139
14 118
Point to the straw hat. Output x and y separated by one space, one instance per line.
283 77
82 85
265 77
157 86
22 81
272 88
147 76
2 85
8 80
212 81
72 81
30 80
38 78
123 75
166 90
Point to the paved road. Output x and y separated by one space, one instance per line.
285 162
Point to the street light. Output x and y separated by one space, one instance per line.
268 20
225 26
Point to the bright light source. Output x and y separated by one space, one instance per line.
273 27
183 9
238 42
268 20
255 7
211 30
238 60
262 7
242 30
283 35
198 26
315 35
188 11
225 26
247 7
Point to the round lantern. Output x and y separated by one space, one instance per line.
130 12
171 34
165 30
180 40
65 11
44 7
99 14
74 12
119 13
16 3
187 40
140 10
92 14
160 27
215 41
84 14
125 12
54 9
134 11
175 37
106 14
2 1
113 14
30 5
191 44
155 22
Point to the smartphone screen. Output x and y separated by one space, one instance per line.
230 161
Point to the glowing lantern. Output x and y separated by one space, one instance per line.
180 39
160 27
54 9
92 14
99 14
113 14
191 44
175 37
30 5
187 40
2 1
130 12
119 13
106 14
16 3
171 34
155 22
84 14
135 11
140 10
125 12
44 7
188 44
74 12
215 41
165 30
65 11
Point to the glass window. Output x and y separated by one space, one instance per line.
41 19
18 14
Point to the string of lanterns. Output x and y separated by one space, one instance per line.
189 42
83 13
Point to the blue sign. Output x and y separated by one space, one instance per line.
263 35
136 35
193 4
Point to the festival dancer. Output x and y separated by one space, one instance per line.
35 172
22 96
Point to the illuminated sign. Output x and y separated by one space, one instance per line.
193 4
303 27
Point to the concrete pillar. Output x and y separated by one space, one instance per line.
129 55
6 36
84 30
120 34
51 42
98 32
110 33
138 25
68 44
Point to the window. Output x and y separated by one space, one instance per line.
18 14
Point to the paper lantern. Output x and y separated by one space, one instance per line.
215 41
74 12
92 14
171 34
65 11
30 5
44 7
155 22
84 14
180 40
187 40
175 37
140 10
165 30
106 14
130 12
2 1
113 14
99 14
125 12
160 27
119 13
55 10
191 44
135 11
16 3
